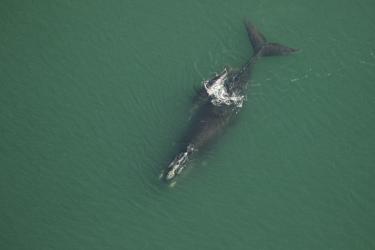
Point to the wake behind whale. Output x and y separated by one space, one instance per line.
219 100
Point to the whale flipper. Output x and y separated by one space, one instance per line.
260 45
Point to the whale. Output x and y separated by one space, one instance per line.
219 100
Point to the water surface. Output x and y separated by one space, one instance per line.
95 94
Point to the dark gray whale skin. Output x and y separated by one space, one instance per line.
210 120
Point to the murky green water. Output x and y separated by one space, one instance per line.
95 94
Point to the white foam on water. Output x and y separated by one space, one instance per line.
219 93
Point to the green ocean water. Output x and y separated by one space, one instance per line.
94 96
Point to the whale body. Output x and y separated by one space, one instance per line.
220 99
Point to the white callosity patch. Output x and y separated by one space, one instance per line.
219 93
177 165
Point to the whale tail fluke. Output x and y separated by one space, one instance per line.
260 45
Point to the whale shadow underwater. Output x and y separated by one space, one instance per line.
218 102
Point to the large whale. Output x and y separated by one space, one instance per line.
220 99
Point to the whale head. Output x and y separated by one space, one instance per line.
178 164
